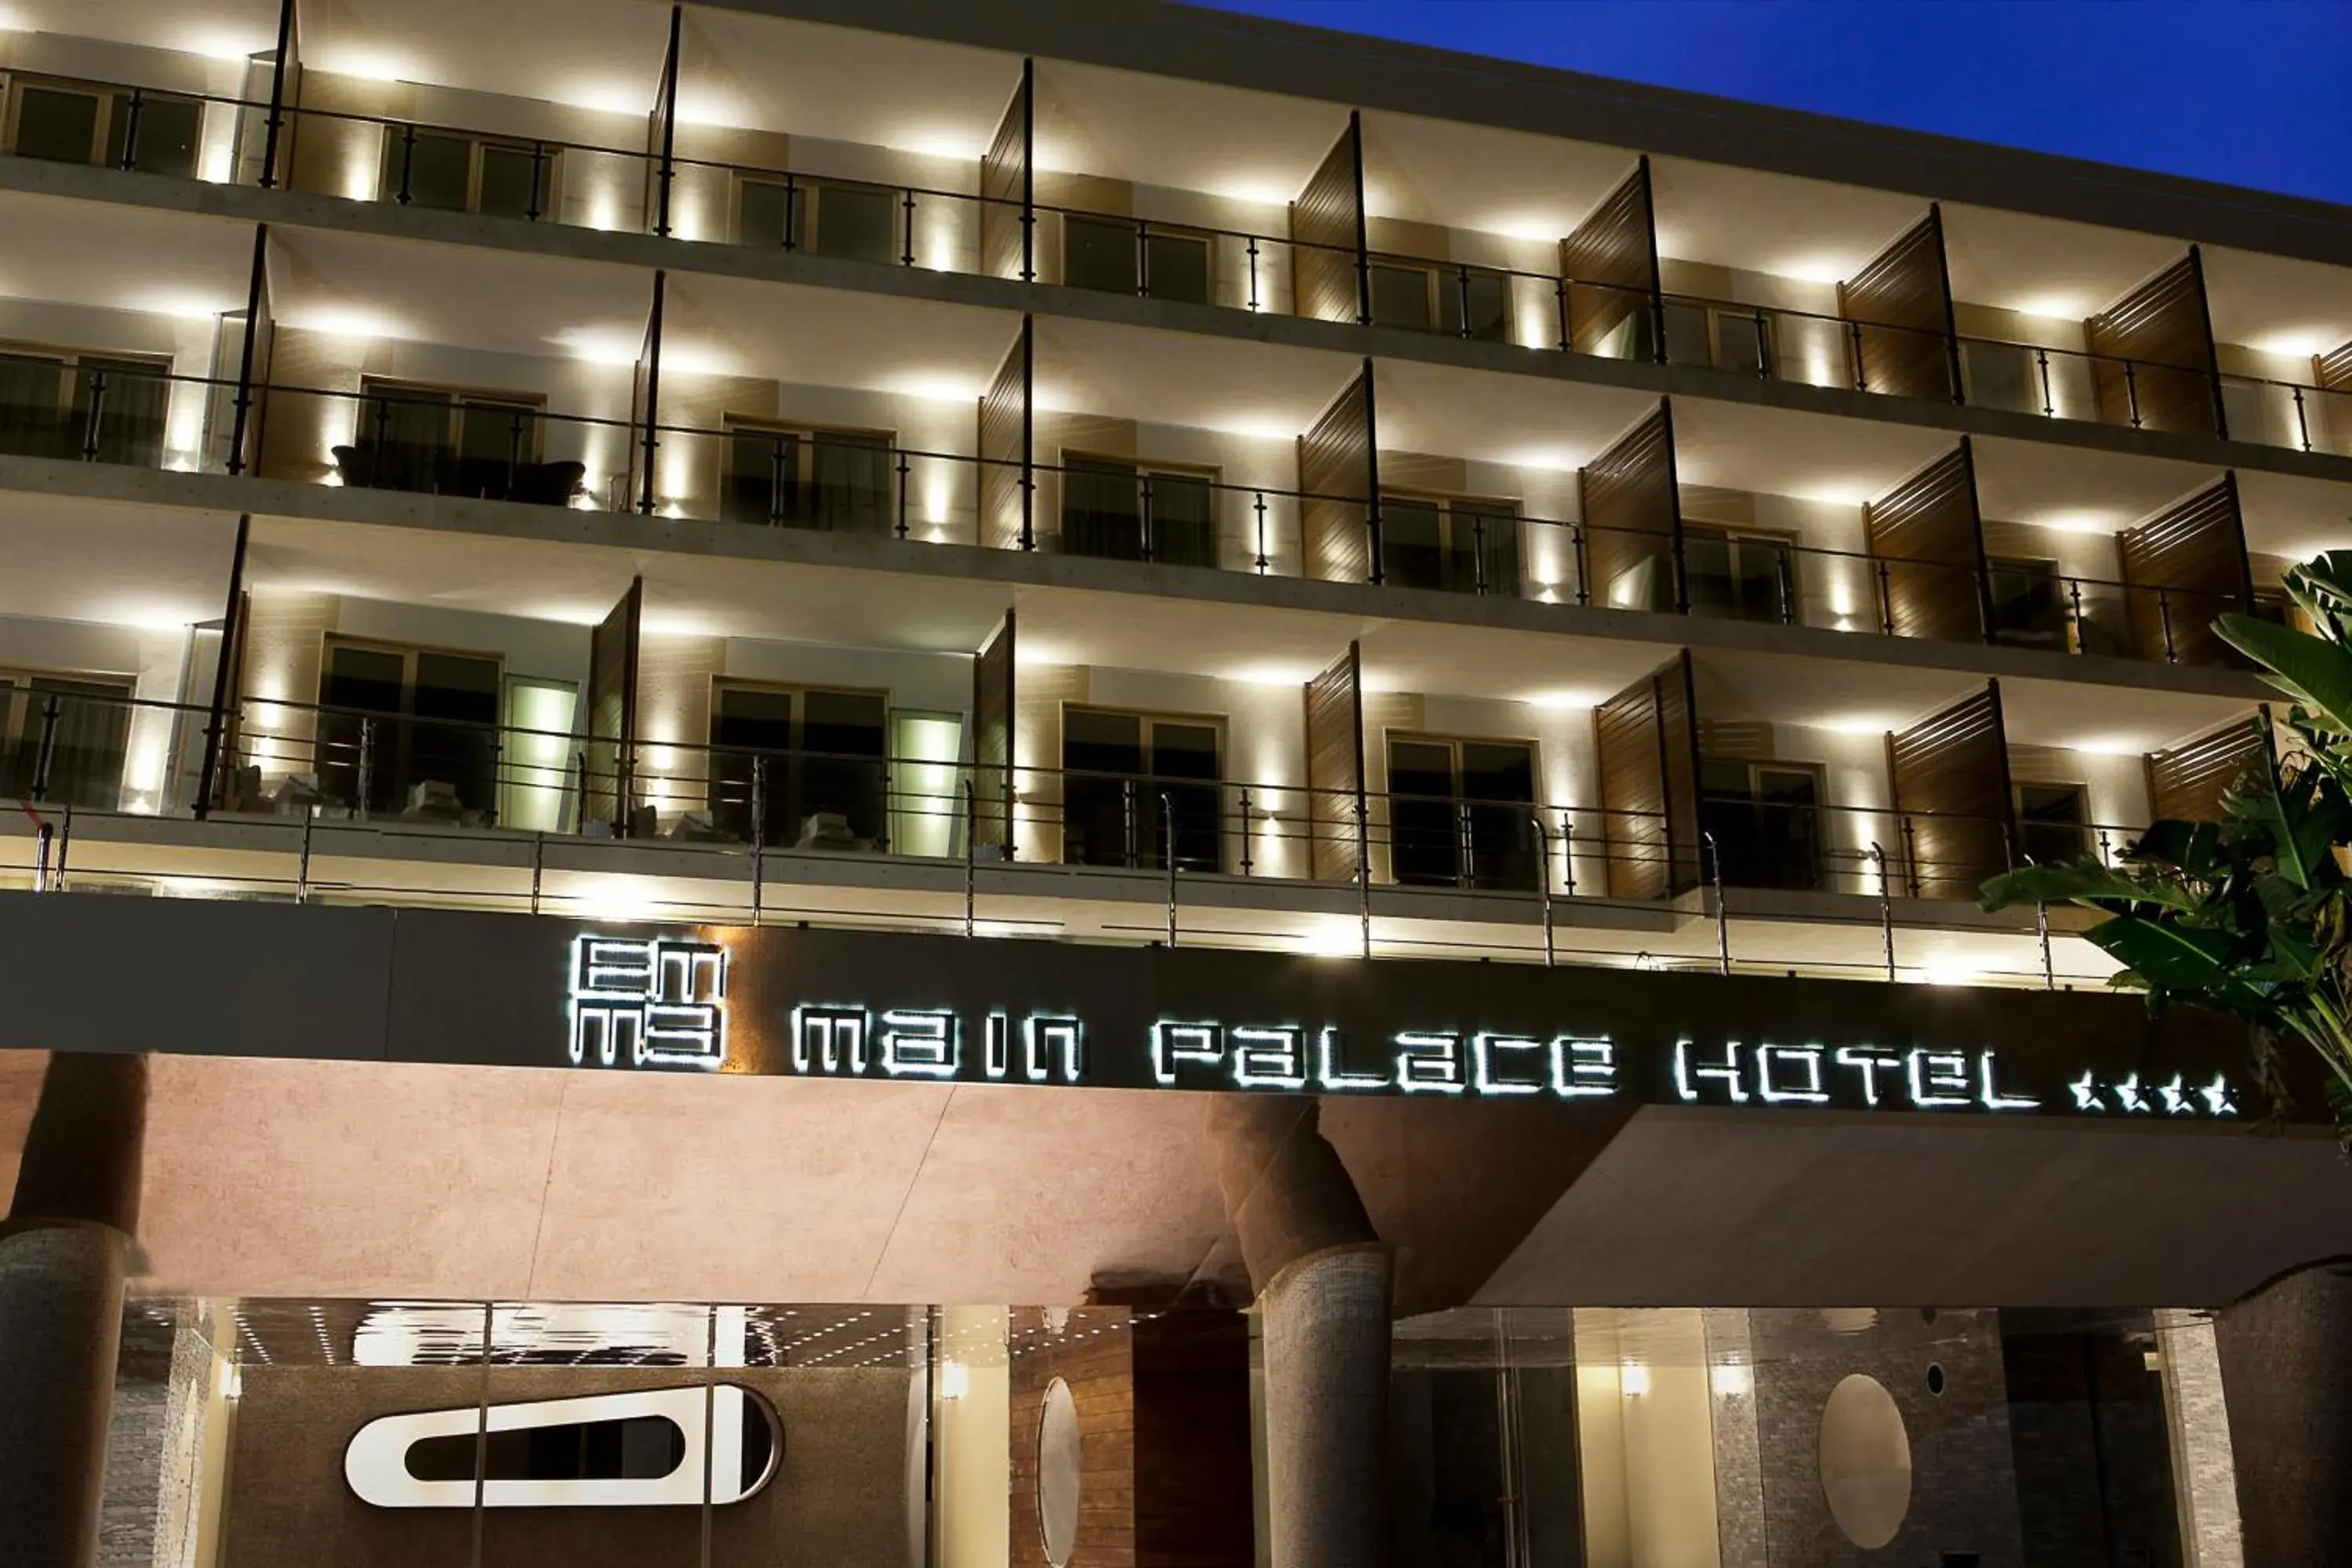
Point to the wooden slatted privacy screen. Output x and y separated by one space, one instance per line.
1630 505
1334 769
2156 369
1927 548
1611 264
1008 186
2186 783
1340 480
1646 739
613 647
1949 774
2182 568
2333 369
1905 341
1330 269
993 761
1007 451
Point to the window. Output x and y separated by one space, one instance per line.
79 406
824 217
1449 543
449 171
1724 336
86 739
1116 769
436 441
1739 576
2002 376
1766 821
2052 821
803 768
2029 603
1130 511
1442 297
838 480
1124 256
1461 813
409 731
120 128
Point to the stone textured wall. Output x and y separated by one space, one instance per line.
1963 1482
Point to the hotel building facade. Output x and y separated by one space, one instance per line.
959 786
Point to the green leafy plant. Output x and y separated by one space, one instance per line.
2249 915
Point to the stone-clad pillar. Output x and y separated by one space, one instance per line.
2286 1375
1323 1284
63 1252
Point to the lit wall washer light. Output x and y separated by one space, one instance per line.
427 1460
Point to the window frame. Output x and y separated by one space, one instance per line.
1755 801
70 361
1466 876
1437 276
20 714
804 212
407 720
1791 587
1145 469
743 426
1143 850
796 754
478 147
2085 828
1474 508
398 390
1140 232
110 96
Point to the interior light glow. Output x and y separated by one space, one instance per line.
1335 939
2302 343
1729 1380
609 97
955 1380
1564 700
618 899
940 386
365 65
221 46
2081 520
2054 307
1816 268
1535 228
341 321
1633 1379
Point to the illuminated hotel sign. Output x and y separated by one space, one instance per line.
664 1003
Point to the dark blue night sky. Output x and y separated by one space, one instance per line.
2250 92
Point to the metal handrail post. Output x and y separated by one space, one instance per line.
41 858
1885 907
970 860
302 862
2042 928
538 869
1168 853
1543 883
1722 915
45 754
760 835
65 847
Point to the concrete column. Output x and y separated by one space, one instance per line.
1323 1280
63 1252
2286 1375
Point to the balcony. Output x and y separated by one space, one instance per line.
1123 184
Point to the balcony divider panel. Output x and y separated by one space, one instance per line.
1008 186
661 127
2186 783
1336 814
249 408
1331 261
1646 740
1926 544
2163 328
2182 568
612 658
1008 471
1949 775
1340 480
992 755
285 88
647 411
2333 369
228 680
1611 265
1630 500
1905 341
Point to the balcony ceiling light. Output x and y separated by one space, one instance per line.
222 45
2302 342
